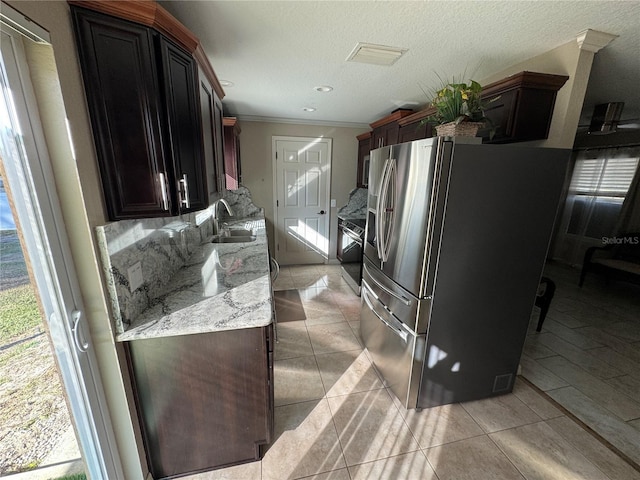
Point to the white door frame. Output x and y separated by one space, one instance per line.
39 214
311 140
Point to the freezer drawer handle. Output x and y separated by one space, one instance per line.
365 294
390 292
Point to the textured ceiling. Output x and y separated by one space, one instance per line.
275 53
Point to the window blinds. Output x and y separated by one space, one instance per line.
609 177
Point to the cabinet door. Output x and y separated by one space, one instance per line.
500 112
364 149
414 131
392 131
218 135
231 157
120 79
205 401
183 126
207 117
385 135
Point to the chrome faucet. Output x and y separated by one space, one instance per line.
216 227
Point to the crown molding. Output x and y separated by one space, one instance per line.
593 40
298 121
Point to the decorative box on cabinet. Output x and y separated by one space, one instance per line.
364 150
232 164
142 94
385 131
206 400
523 107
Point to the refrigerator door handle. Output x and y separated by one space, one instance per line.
389 209
404 300
397 329
379 231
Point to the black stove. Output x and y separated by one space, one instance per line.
350 249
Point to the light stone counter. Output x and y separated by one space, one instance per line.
221 286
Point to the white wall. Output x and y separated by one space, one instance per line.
257 165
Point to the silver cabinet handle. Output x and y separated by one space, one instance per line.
185 189
82 346
163 189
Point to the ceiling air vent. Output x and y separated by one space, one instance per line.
375 54
605 118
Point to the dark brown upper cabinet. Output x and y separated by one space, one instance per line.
520 107
232 165
142 96
364 151
386 130
180 89
413 128
210 113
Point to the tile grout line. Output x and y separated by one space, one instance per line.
583 425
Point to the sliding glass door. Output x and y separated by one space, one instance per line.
27 172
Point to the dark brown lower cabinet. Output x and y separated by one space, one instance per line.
205 401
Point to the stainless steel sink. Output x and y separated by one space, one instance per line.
235 239
241 232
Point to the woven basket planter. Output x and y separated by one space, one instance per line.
462 129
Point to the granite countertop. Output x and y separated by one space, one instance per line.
222 286
356 207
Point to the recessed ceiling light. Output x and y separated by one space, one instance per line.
375 54
226 83
323 88
309 109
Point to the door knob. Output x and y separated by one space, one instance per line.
321 212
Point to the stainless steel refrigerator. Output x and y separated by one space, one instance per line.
456 238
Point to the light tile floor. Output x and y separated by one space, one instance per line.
587 356
335 420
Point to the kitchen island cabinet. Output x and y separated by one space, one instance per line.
200 355
206 401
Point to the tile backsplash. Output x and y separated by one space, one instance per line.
161 246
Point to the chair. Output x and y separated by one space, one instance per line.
619 259
546 290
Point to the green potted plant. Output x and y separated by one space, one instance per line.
459 109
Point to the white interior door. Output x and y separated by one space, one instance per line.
302 169
26 164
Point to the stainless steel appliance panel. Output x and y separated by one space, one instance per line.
377 160
404 211
498 220
413 312
396 351
377 164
